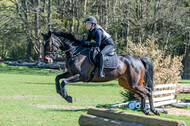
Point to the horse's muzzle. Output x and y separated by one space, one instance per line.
47 59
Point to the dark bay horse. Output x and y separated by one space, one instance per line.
130 71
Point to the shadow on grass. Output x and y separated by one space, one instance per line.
39 83
93 84
68 110
78 84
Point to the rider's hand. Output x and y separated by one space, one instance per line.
93 44
87 43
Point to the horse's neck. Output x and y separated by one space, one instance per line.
66 44
74 49
69 47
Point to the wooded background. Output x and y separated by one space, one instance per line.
166 21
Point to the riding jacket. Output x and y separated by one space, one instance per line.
101 37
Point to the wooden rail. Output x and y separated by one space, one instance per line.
164 94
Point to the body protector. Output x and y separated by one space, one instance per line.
101 37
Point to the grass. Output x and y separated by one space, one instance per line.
184 81
23 89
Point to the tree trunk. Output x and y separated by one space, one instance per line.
38 42
126 24
186 59
85 7
147 18
26 29
106 14
49 14
157 2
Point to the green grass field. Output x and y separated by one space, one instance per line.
28 97
184 81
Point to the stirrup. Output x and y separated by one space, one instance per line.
101 74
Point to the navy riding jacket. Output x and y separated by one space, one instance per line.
101 37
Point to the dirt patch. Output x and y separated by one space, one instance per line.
62 106
177 111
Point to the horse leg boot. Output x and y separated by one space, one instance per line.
71 79
64 92
101 69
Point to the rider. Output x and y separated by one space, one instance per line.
102 38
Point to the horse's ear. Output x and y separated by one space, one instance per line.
49 33
42 33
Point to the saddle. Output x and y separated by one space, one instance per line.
110 61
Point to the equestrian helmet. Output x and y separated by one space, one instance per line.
91 19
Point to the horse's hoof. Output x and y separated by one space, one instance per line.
69 99
59 92
147 113
157 113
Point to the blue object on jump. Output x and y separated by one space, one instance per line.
138 105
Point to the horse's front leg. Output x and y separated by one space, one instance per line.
58 77
75 78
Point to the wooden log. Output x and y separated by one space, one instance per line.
168 102
122 105
130 117
92 120
22 64
183 88
180 105
162 110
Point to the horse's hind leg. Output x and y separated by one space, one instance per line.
142 94
127 84
152 109
146 91
143 104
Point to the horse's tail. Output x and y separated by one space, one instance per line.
148 71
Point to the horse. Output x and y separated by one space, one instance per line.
130 72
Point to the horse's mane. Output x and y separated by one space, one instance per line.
66 35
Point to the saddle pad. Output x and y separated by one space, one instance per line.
111 61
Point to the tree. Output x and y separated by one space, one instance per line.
125 20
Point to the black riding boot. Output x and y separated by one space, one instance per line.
101 72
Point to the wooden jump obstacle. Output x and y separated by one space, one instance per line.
163 94
106 117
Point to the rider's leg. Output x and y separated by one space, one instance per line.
105 50
101 73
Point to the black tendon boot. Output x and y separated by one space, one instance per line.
101 72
